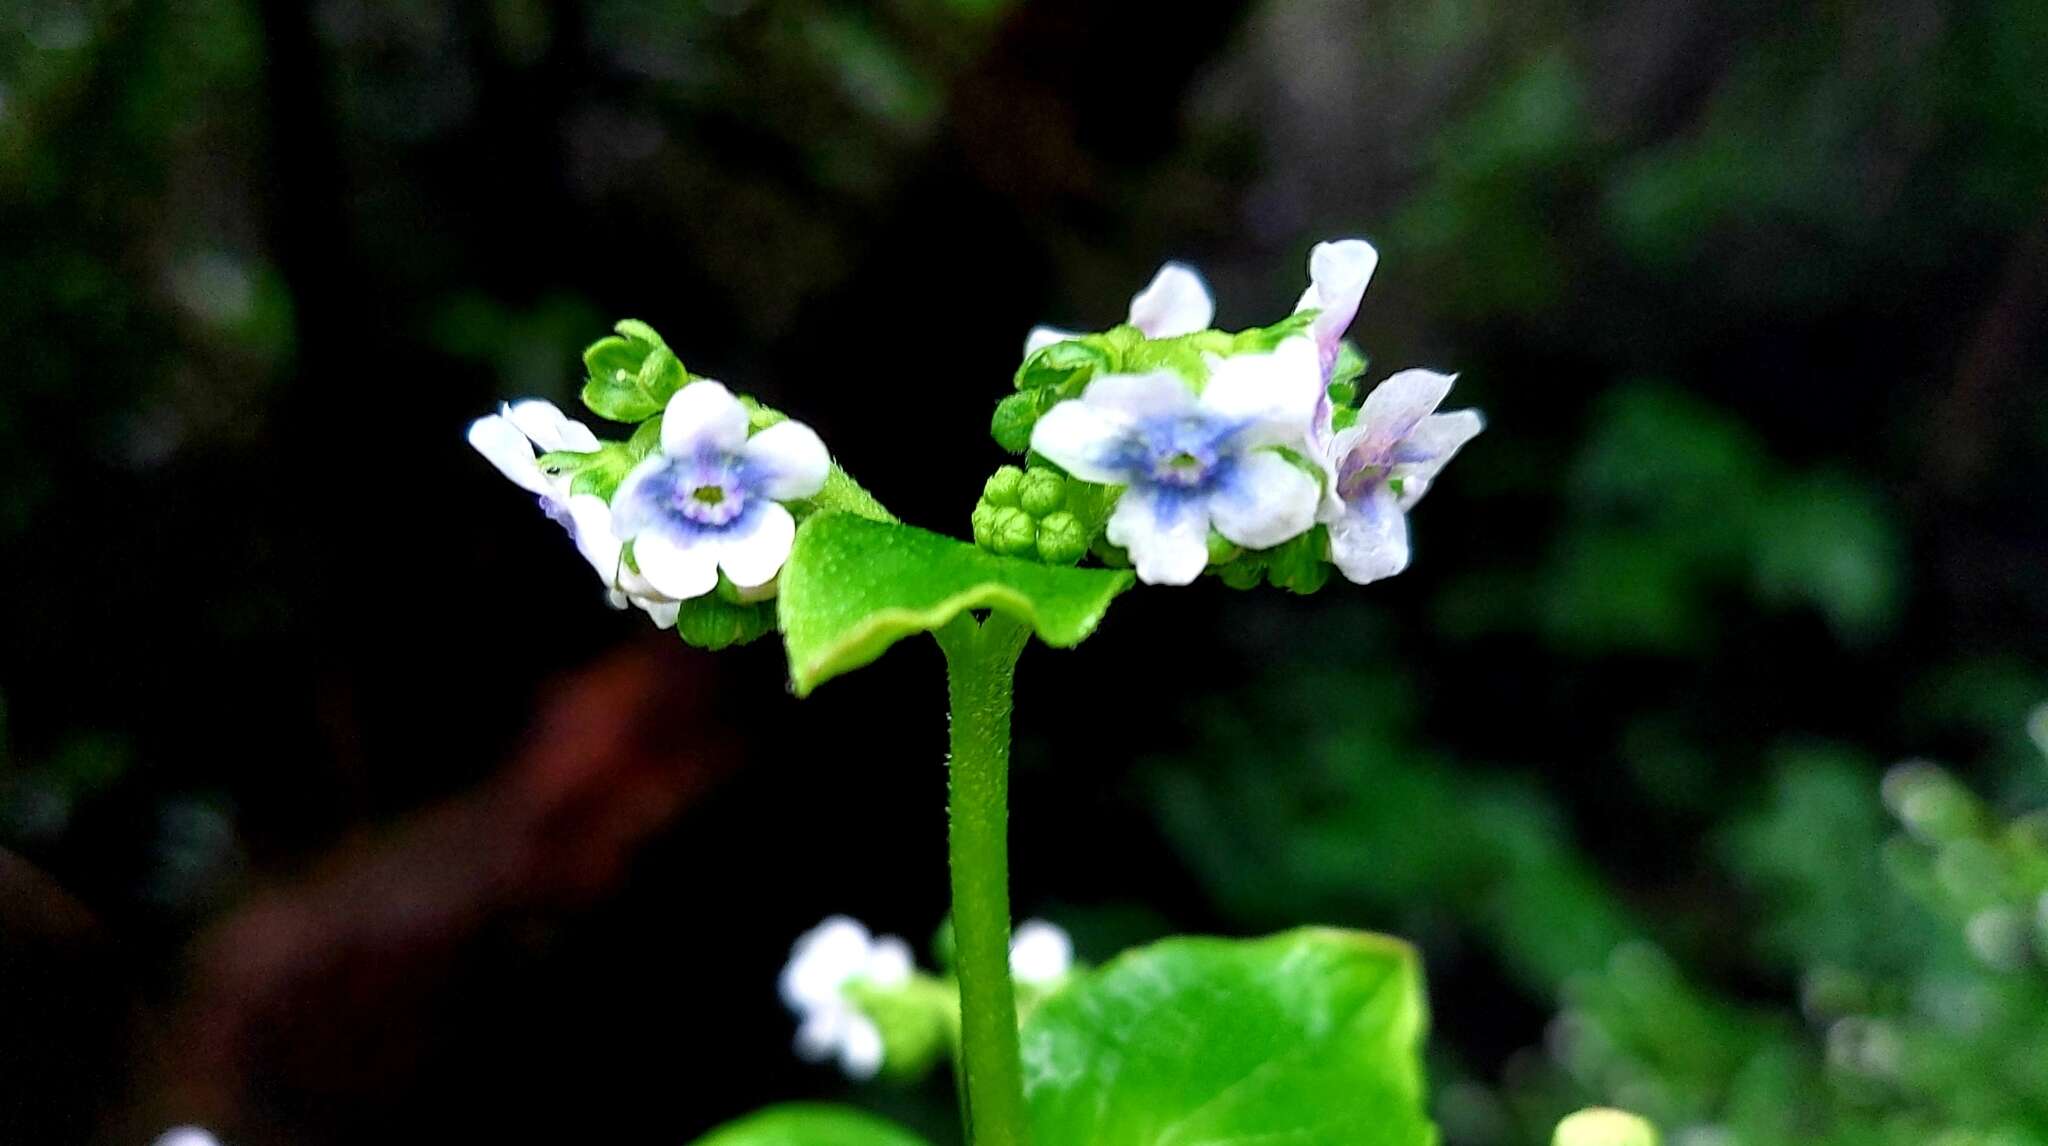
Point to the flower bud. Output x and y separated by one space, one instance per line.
1003 486
1061 539
1600 1126
1041 492
1013 533
984 522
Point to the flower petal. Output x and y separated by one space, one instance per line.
590 526
679 565
1166 532
1396 406
1040 952
1176 302
500 442
752 549
662 613
1044 336
703 417
1433 441
788 460
1264 500
860 1048
1370 541
822 960
1338 273
1090 437
637 503
889 962
1271 397
549 428
822 1031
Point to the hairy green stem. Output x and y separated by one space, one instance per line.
981 662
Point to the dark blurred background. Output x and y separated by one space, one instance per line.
338 808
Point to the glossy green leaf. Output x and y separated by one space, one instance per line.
1308 1038
854 586
810 1124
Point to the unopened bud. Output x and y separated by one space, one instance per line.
1013 533
1003 486
1061 540
1041 492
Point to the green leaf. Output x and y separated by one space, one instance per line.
810 1124
1309 1038
1061 363
854 586
1262 339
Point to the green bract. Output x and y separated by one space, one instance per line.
854 586
1310 1038
632 374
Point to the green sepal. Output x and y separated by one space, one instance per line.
1297 565
715 621
1065 363
853 586
646 439
632 374
1311 1037
1262 339
1348 369
919 1022
1017 415
810 1124
598 472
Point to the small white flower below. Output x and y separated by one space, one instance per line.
825 961
1041 953
1174 303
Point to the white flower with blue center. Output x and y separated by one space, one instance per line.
512 440
1190 463
1041 953
1383 465
826 960
709 500
1174 303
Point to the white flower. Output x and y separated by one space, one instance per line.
709 499
1192 463
825 961
1383 465
186 1136
1338 273
512 440
1041 953
1174 303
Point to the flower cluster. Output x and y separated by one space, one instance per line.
696 502
860 1000
1216 443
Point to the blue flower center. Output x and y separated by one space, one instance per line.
714 502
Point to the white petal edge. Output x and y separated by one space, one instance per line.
1267 500
678 569
1273 396
1370 541
500 442
662 613
1164 552
752 555
1174 303
549 428
1083 440
889 962
823 959
1044 336
791 458
703 416
1437 439
591 522
1397 405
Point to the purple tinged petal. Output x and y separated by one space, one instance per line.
1166 533
1264 500
703 417
1338 273
1369 541
1396 406
1176 302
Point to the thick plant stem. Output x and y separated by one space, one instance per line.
981 662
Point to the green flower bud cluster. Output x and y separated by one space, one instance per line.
1028 513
